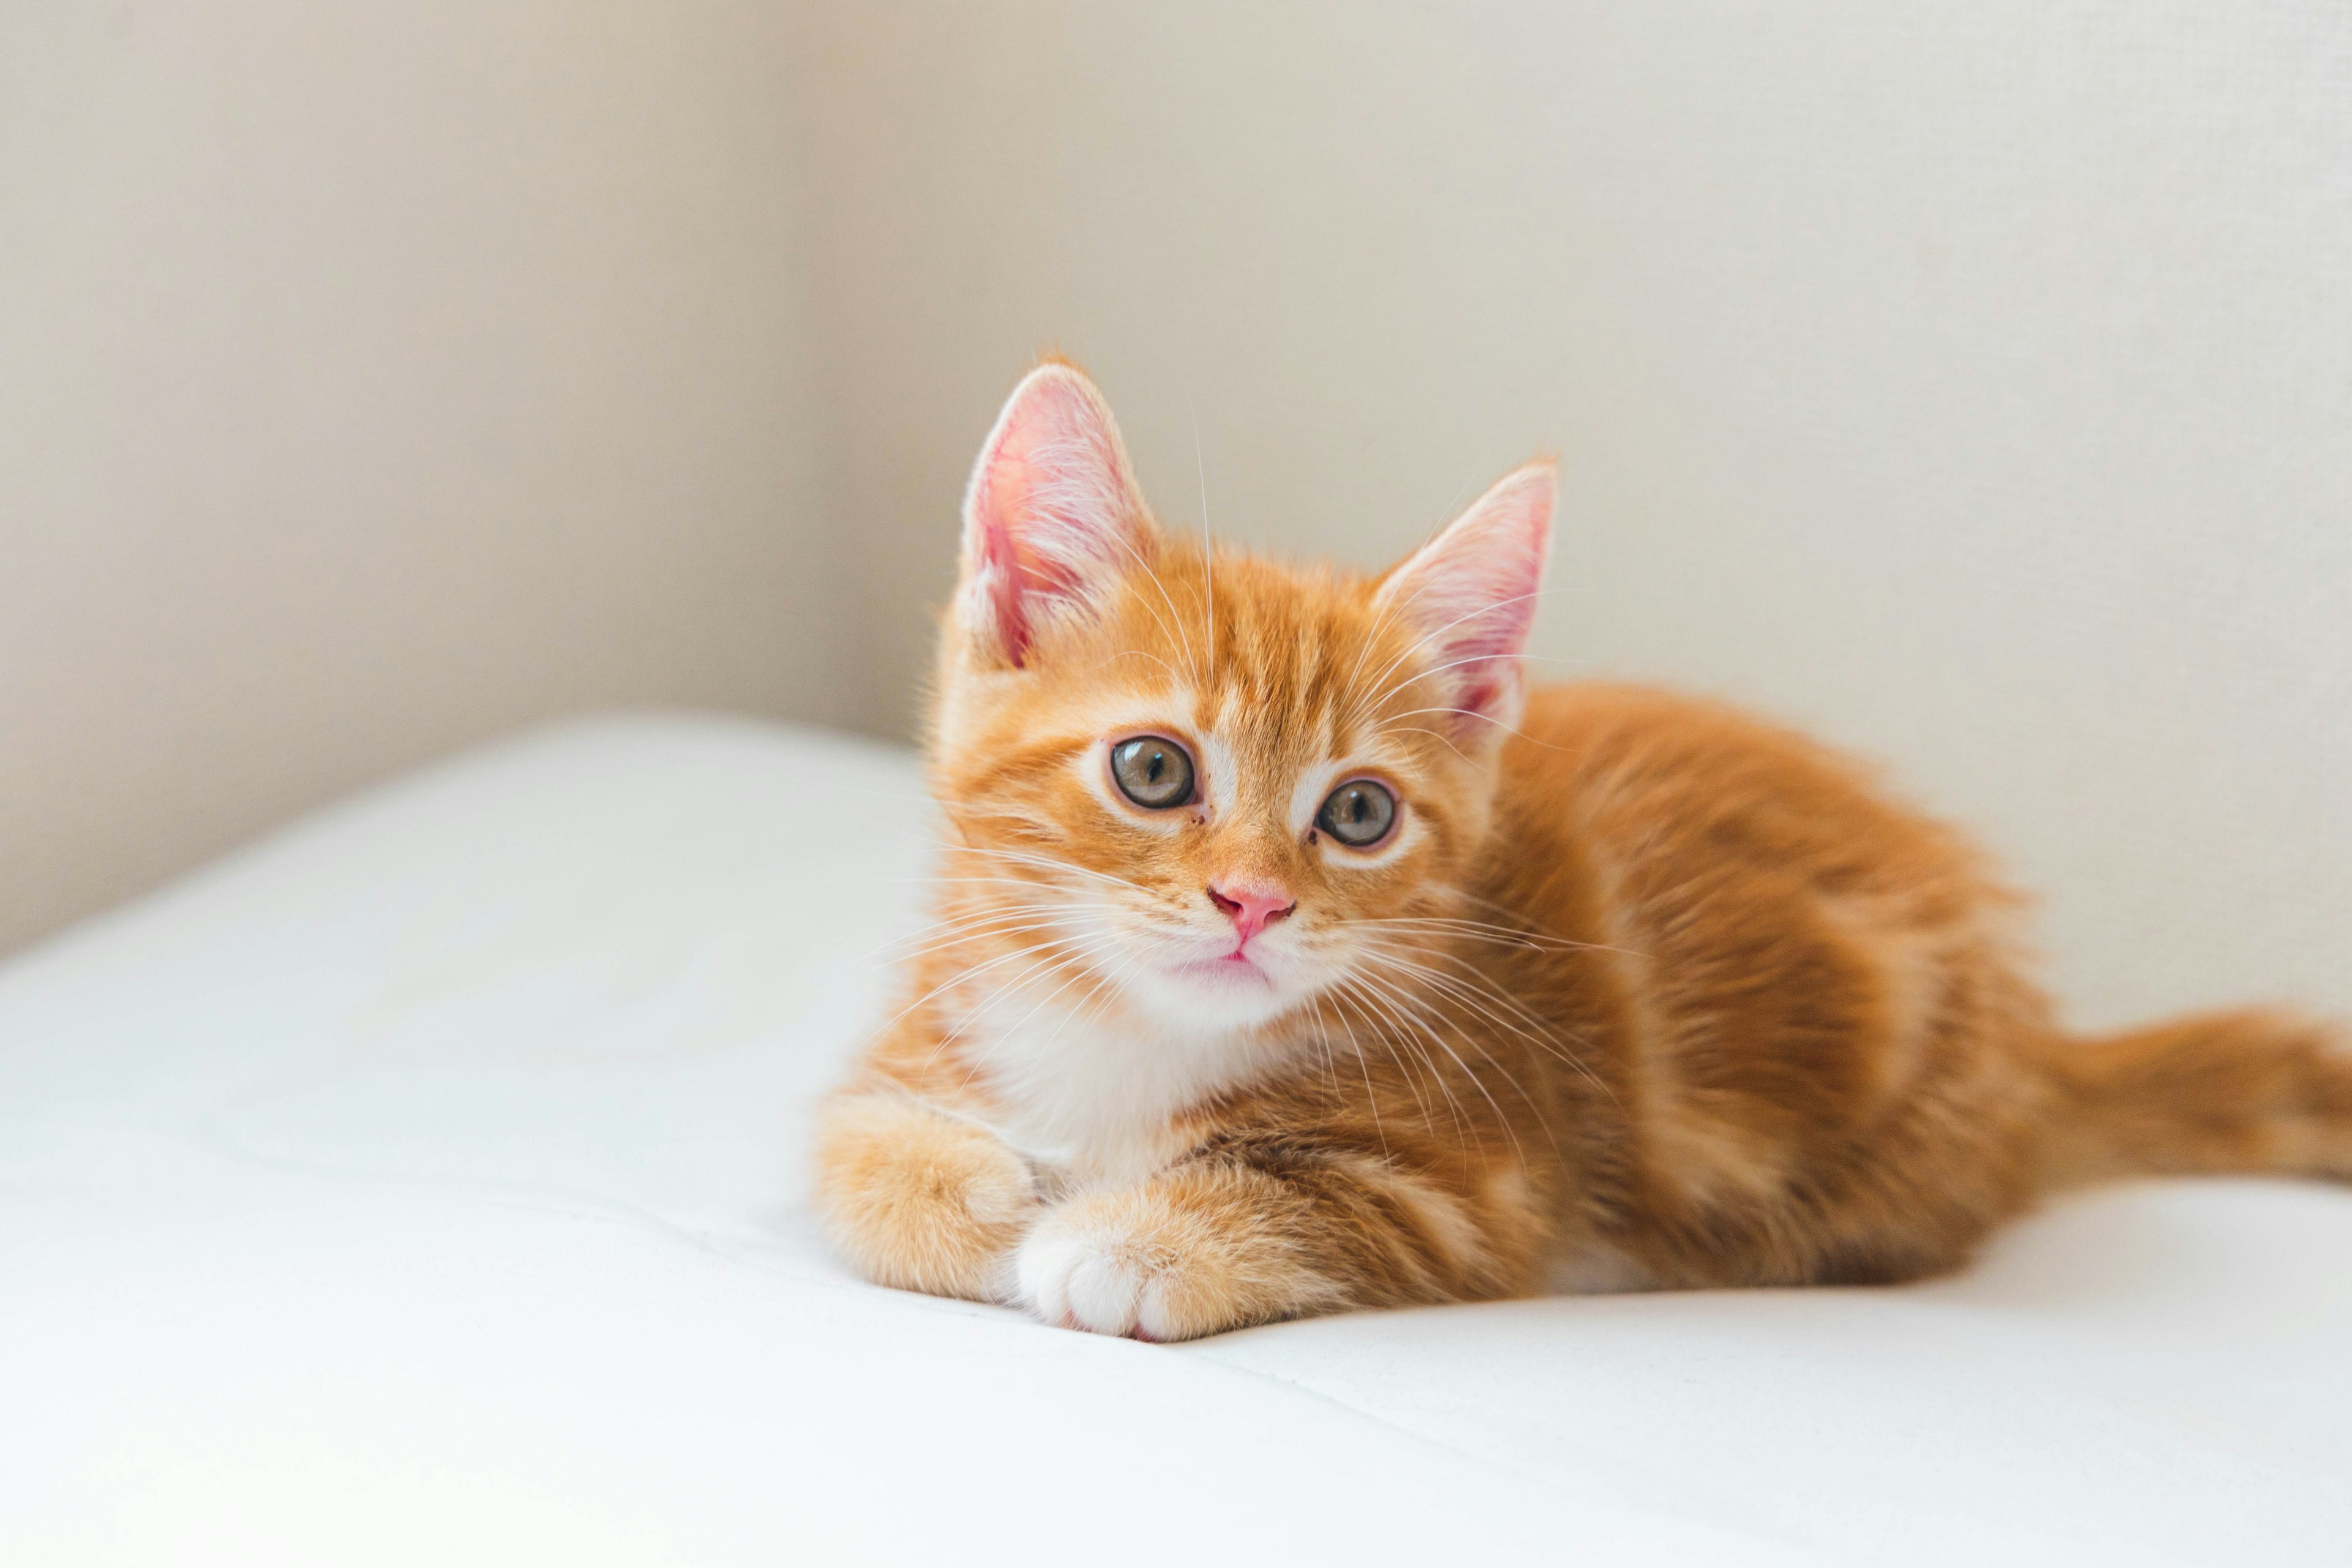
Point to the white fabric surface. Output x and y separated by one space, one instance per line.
426 1185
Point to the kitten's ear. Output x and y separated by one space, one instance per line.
1470 596
1052 517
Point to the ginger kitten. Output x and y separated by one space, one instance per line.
1291 956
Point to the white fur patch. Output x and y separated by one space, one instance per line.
1088 1280
1096 1094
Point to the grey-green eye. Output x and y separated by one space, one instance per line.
1153 771
1358 813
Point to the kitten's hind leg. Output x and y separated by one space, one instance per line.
920 1200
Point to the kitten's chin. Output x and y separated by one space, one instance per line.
1218 992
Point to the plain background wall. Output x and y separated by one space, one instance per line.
374 378
1970 383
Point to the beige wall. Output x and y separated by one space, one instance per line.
1971 382
374 378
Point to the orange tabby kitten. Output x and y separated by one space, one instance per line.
1291 957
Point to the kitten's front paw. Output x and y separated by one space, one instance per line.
919 1200
1143 1264
1094 1281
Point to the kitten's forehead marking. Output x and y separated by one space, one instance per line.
1273 729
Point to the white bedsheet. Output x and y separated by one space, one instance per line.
425 1185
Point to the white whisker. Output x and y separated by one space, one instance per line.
1438 1039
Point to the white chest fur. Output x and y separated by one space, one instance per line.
1095 1093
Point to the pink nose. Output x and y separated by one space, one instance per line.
1254 906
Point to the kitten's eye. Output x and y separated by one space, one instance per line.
1152 771
1358 813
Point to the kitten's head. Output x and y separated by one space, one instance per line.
1224 786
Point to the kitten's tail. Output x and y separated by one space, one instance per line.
2248 1091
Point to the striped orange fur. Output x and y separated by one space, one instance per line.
1632 991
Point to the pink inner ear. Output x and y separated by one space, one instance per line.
1050 506
1470 592
1017 577
1486 671
1000 564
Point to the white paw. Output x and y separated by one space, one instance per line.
1091 1277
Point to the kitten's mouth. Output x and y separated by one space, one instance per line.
1237 965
